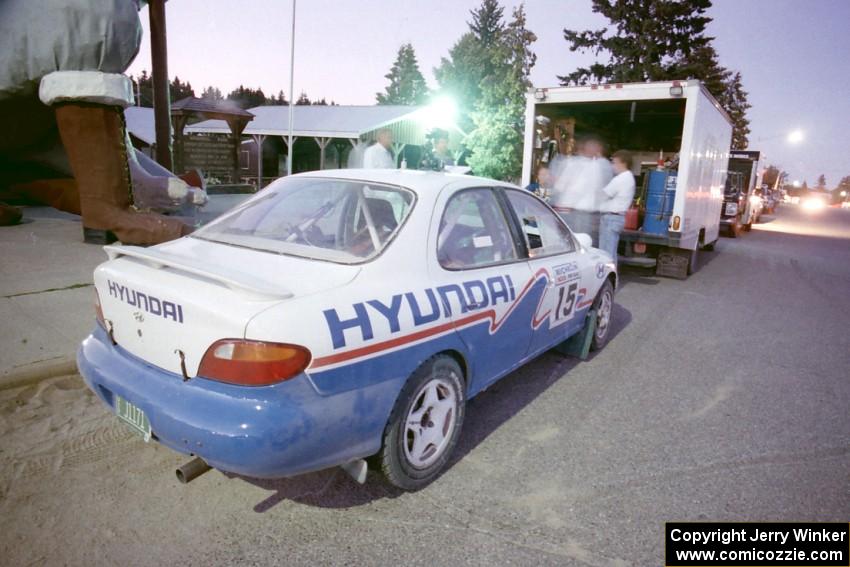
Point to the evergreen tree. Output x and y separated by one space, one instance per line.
212 94
487 24
407 85
659 40
303 100
460 76
822 182
246 97
734 100
499 114
771 175
143 89
646 38
279 99
179 90
469 62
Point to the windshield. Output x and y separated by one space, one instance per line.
734 183
325 219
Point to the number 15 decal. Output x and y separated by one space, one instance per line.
566 304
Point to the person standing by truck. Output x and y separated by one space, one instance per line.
578 185
617 198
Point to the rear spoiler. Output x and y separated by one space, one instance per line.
237 281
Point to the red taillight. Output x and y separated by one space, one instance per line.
253 363
98 310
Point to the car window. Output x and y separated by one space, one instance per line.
544 232
325 219
474 232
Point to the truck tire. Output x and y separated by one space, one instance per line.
693 261
735 229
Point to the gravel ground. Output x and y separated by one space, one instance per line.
723 397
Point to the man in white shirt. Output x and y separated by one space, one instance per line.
378 155
617 198
578 187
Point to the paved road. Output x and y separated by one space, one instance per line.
723 397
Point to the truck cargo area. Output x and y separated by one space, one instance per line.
679 140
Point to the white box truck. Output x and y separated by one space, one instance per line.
676 128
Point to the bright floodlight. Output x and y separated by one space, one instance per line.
441 113
796 183
795 137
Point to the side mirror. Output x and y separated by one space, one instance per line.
584 239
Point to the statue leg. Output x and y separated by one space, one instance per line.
92 129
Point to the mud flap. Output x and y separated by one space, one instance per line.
578 345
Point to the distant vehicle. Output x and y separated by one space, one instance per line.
814 202
337 315
679 136
845 204
771 199
742 204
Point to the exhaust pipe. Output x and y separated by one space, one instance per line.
192 470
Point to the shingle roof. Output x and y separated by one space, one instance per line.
203 105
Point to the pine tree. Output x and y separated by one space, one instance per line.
469 62
659 40
303 100
487 24
822 182
179 90
246 97
279 99
143 87
734 100
407 85
498 118
212 94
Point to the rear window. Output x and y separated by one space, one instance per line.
325 219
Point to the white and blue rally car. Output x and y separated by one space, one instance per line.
339 315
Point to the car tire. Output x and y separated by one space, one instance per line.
424 425
709 247
604 307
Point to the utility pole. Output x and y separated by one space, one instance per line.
291 92
159 73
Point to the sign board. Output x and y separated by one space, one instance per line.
212 153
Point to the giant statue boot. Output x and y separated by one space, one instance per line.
89 113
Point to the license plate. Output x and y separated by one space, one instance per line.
134 417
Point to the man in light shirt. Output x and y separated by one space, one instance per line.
378 155
617 198
577 190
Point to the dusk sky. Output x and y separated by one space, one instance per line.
794 56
